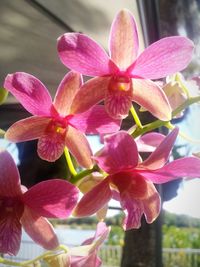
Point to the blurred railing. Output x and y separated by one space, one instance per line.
111 255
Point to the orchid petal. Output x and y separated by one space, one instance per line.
148 142
95 121
90 260
27 129
117 103
80 53
10 234
91 93
160 156
150 96
124 39
94 200
119 153
152 204
30 92
78 145
66 92
60 260
9 176
162 58
53 198
185 167
39 229
51 146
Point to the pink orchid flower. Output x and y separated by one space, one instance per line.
124 76
85 255
53 123
133 180
25 208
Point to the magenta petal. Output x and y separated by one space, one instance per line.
92 260
158 105
9 176
162 58
148 142
39 229
27 129
78 145
94 200
53 198
161 155
119 153
91 93
80 53
124 39
66 92
51 146
188 167
95 121
30 92
10 234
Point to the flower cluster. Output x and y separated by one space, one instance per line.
117 171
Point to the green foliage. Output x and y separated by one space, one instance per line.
180 220
3 95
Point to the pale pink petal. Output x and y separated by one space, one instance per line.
66 92
51 146
162 58
9 176
10 233
95 121
119 153
101 234
150 96
118 102
27 129
78 145
53 198
160 156
92 260
39 229
94 200
30 92
188 167
80 53
152 204
91 93
148 142
124 39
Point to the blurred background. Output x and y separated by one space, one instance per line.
28 33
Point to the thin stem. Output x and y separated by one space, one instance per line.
82 174
69 162
136 118
2 133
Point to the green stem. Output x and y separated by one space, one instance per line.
135 117
2 133
82 174
69 162
158 123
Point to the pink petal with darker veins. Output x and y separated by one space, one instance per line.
80 53
66 92
27 129
10 185
95 121
188 167
78 145
30 92
161 154
39 229
53 198
124 41
150 96
94 200
164 57
119 153
91 93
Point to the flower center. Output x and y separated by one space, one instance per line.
11 206
120 83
